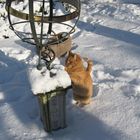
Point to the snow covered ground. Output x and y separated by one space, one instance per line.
108 33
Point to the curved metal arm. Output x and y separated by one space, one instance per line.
50 17
55 19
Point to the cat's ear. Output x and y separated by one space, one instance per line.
75 56
69 53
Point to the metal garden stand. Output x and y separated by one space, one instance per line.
43 24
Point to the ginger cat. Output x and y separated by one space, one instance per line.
80 77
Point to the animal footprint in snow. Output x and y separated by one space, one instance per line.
104 76
137 90
131 91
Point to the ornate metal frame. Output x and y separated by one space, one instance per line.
31 18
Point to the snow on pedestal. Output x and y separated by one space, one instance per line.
48 80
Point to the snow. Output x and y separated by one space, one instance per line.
108 33
57 77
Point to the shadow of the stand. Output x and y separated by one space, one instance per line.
83 125
129 1
117 34
17 97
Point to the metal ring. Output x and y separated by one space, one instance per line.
25 39
55 19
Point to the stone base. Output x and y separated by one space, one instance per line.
53 109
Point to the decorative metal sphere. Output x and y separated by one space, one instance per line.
44 23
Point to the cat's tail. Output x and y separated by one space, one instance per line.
89 67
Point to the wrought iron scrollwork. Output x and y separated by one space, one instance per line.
48 55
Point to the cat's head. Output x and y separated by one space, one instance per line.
73 59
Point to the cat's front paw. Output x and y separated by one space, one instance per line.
90 62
